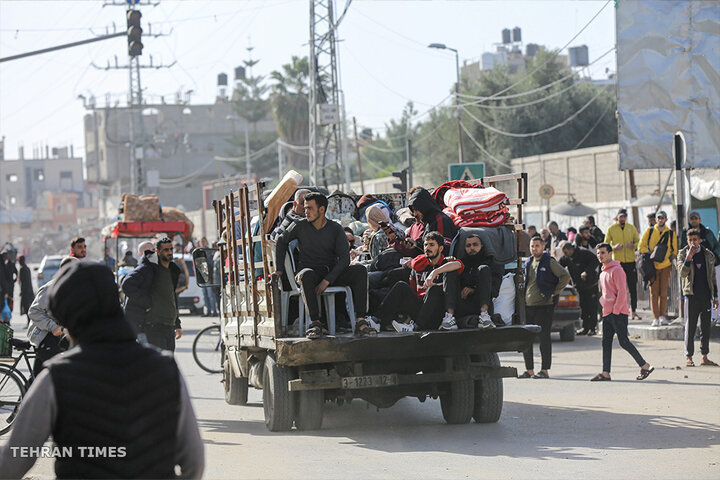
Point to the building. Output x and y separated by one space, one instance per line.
182 142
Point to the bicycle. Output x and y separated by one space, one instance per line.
14 383
206 349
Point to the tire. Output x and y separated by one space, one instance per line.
236 389
278 404
458 403
206 349
488 393
12 391
309 411
567 334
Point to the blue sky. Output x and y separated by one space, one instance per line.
384 57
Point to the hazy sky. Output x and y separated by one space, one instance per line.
384 58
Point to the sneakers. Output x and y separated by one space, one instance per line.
374 323
664 320
655 323
485 321
448 322
403 327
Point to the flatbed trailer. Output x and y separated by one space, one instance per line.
298 375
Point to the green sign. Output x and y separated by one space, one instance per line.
466 171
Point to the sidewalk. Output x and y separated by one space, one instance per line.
674 331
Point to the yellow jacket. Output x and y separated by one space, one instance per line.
648 246
615 234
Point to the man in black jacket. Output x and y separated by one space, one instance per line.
293 215
150 304
114 408
585 240
584 269
479 282
595 231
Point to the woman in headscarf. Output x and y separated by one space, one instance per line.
27 295
375 239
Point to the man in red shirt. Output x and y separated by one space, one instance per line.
430 291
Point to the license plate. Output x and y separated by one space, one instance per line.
369 381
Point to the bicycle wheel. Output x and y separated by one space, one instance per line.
12 391
206 349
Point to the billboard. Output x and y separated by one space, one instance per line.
668 80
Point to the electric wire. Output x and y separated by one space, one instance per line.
480 147
602 115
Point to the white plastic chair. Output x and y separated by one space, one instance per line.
287 295
328 297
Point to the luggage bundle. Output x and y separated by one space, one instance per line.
476 207
145 208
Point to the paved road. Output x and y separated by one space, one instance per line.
665 427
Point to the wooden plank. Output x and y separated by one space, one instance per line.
388 346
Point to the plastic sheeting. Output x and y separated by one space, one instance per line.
668 56
705 184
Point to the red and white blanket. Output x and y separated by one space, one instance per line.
476 207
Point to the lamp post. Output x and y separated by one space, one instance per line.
442 46
234 118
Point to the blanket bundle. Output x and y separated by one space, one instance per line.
476 207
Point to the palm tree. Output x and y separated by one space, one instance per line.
289 100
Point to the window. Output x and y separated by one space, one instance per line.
12 178
39 175
66 175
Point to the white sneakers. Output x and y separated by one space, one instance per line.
374 324
448 322
403 327
485 321
664 320
655 323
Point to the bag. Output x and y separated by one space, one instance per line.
504 304
387 260
647 266
6 334
6 313
660 250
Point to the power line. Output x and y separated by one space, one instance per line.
602 115
480 147
539 132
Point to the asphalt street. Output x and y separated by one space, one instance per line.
667 426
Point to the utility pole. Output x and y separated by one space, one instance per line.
359 159
408 149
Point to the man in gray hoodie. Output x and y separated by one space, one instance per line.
44 332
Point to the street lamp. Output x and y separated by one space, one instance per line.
234 118
442 46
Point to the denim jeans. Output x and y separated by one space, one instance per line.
617 325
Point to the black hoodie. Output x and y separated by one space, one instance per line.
470 277
433 219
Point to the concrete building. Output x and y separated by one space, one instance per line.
182 142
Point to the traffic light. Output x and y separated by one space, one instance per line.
402 176
134 33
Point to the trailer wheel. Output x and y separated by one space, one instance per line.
309 412
278 402
457 405
236 389
488 393
567 334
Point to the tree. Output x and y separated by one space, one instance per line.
289 100
389 152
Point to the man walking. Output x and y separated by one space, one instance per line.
432 291
662 237
699 286
545 278
615 314
324 261
623 237
151 305
114 408
584 270
78 248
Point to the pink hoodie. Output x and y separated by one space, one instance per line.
613 286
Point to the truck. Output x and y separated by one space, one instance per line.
298 375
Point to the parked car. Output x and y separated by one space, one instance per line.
191 298
49 266
567 314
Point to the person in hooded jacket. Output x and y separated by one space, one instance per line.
584 270
27 294
614 300
150 301
138 422
479 282
428 218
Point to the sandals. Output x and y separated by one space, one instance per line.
708 363
645 373
363 329
541 375
316 330
525 375
635 316
689 362
600 378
